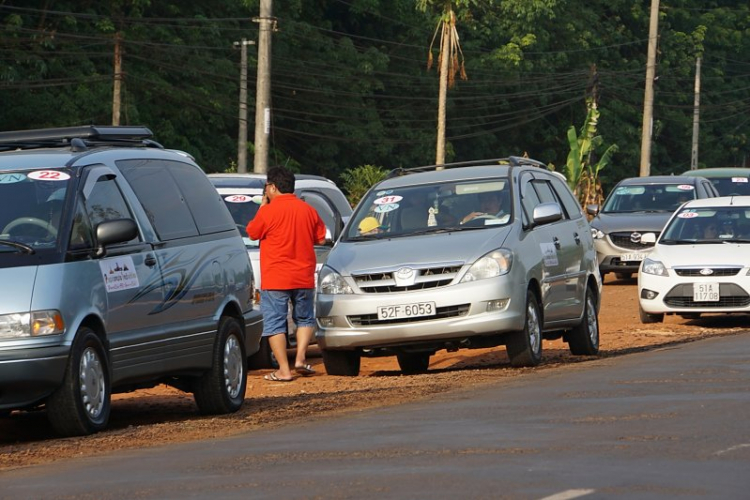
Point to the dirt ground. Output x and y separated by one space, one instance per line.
164 415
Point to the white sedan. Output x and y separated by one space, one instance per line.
700 263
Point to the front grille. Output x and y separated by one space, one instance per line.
717 272
623 240
433 277
440 313
730 295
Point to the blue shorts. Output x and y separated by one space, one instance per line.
274 304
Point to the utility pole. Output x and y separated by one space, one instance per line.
648 98
696 113
117 89
445 55
263 87
242 140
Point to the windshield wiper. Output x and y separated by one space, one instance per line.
26 248
736 240
668 241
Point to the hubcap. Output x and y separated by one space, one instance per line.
233 371
91 380
592 321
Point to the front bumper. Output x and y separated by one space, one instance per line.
350 321
28 375
675 294
611 258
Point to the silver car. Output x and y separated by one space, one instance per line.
120 269
493 253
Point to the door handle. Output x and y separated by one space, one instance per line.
556 241
577 238
150 260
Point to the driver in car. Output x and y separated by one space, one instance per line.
490 203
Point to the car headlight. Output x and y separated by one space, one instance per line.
492 265
597 234
655 267
34 324
332 283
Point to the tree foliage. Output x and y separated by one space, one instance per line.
350 86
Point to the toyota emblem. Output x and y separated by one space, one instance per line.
404 273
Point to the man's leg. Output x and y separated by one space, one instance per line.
303 314
275 307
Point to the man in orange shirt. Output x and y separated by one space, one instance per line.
288 230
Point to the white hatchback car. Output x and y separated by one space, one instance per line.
699 264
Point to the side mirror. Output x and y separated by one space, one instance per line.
114 231
592 209
329 238
545 213
648 238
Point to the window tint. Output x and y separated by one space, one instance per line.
570 204
105 203
529 200
161 198
209 212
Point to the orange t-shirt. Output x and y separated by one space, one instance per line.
287 229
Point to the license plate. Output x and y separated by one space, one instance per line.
402 311
705 292
632 257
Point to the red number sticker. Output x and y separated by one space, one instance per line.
49 175
385 200
237 198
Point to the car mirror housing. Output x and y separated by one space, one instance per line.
648 238
545 213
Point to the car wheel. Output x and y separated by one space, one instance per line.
525 347
413 362
649 318
264 358
344 363
221 389
623 276
583 340
81 405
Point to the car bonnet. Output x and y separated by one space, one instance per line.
16 287
356 257
631 221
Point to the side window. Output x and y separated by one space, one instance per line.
570 204
208 209
106 203
82 234
161 198
529 199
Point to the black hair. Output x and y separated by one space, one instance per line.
282 178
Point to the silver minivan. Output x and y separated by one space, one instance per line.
120 269
476 255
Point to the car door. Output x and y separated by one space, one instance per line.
559 253
331 218
131 272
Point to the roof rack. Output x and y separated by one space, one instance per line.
78 138
513 161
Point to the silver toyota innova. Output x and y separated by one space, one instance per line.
120 268
489 253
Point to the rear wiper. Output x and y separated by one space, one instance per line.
26 248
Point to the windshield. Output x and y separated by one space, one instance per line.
709 225
243 208
31 204
648 198
438 207
732 186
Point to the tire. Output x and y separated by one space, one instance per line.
222 388
647 318
81 405
264 358
623 276
413 362
583 340
525 347
344 363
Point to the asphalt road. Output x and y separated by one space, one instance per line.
670 423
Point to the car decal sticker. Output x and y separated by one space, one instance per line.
549 252
238 198
739 179
383 193
687 215
49 175
385 200
119 273
381 209
11 178
685 187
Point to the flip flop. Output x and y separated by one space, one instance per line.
305 370
272 377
